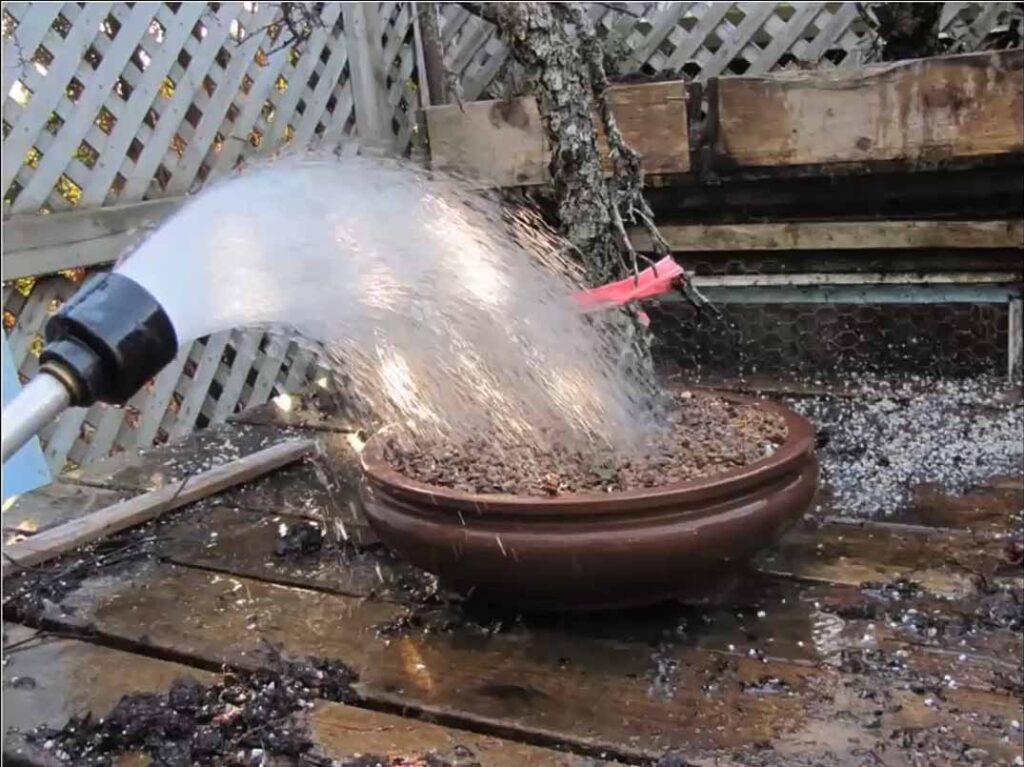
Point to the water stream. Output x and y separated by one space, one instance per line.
440 308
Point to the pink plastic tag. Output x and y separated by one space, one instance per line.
652 281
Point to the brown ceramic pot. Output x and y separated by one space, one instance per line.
595 551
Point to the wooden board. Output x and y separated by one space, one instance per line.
922 110
776 615
839 235
503 142
53 504
948 563
593 693
147 506
807 662
987 505
71 678
160 466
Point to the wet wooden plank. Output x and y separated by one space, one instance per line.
987 506
54 504
342 731
626 698
323 487
348 561
50 680
301 412
956 106
942 561
147 506
157 467
781 619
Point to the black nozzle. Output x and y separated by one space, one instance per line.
108 340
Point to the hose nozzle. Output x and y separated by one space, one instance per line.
108 340
102 346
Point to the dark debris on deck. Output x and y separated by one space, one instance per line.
305 641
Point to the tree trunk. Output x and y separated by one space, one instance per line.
433 58
556 45
537 37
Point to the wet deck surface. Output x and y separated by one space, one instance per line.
851 643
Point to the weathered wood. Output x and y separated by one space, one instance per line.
959 106
53 504
142 508
72 678
240 542
942 562
342 731
776 617
592 693
47 260
498 142
840 235
503 142
158 467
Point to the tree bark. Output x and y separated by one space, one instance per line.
557 46
537 37
433 57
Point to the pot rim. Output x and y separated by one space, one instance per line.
793 453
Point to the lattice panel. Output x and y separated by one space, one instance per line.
704 39
398 56
109 103
215 378
120 102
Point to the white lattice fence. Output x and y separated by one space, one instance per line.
112 103
703 39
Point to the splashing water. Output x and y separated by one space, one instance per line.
441 309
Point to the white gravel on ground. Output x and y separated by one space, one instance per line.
877 446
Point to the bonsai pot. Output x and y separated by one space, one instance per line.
607 550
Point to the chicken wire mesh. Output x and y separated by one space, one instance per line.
831 340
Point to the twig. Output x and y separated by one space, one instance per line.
621 8
300 19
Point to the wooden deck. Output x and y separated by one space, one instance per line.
823 655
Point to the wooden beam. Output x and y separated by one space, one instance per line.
503 142
840 235
36 244
819 279
142 508
921 110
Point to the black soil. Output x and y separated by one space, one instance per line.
703 436
239 721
